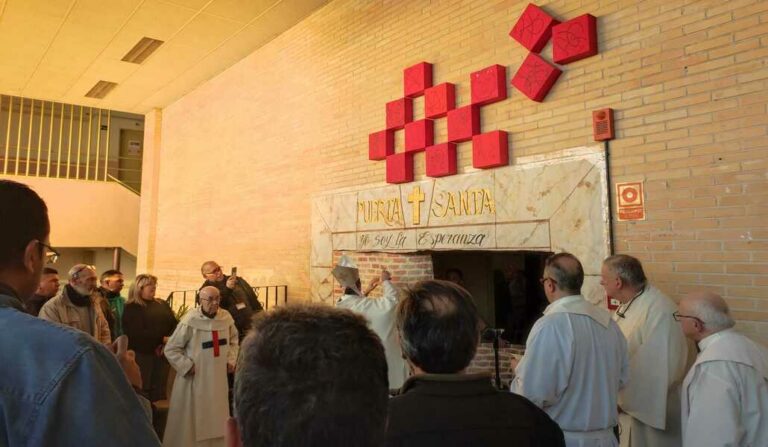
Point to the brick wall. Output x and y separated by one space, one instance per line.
243 153
484 361
406 268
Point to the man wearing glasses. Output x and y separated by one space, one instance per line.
658 353
75 306
237 296
56 382
202 350
725 394
575 361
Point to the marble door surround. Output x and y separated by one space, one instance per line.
553 202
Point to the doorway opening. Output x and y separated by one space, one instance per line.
505 285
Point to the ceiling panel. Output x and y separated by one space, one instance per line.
239 10
58 49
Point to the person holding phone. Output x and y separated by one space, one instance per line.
237 296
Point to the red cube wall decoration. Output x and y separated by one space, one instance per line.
463 123
399 113
575 39
533 29
438 100
418 135
381 144
535 77
489 85
400 167
489 150
416 79
441 160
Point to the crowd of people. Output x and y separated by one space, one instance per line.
83 366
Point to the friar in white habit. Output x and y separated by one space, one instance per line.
380 313
202 349
725 394
575 361
658 353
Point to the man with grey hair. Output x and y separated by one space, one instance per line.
650 404
725 394
575 361
75 306
202 350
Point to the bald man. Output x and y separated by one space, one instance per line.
575 361
202 350
725 394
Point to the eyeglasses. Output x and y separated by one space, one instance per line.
214 271
211 300
677 316
77 272
51 255
544 279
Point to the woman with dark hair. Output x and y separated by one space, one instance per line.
148 322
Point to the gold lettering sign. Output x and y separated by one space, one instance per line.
469 202
387 211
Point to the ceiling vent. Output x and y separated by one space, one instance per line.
142 50
101 89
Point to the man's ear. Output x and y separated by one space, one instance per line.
233 433
32 255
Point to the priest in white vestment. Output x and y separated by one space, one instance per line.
575 360
658 353
380 313
725 394
202 349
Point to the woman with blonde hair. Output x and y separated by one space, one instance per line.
148 322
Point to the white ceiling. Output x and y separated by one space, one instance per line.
58 49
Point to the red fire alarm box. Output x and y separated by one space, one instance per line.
602 124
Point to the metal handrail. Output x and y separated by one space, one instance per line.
279 295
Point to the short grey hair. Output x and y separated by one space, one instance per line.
78 269
567 271
715 318
628 268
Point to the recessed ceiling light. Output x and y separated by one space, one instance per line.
142 50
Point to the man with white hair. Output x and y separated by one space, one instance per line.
202 350
75 306
725 394
658 353
380 313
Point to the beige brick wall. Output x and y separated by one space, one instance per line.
242 154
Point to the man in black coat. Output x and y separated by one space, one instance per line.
441 405
237 296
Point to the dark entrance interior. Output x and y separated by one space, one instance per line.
505 285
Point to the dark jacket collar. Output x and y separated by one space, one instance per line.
449 384
9 298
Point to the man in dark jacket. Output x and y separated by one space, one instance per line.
441 405
237 296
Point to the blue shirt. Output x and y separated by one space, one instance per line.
60 387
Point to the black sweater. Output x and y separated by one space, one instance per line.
146 326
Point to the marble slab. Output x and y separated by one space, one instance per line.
321 248
344 241
579 224
523 235
377 209
343 212
463 200
416 199
476 237
321 285
536 191
389 240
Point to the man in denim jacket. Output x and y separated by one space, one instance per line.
59 386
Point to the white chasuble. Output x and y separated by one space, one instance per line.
725 394
658 353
